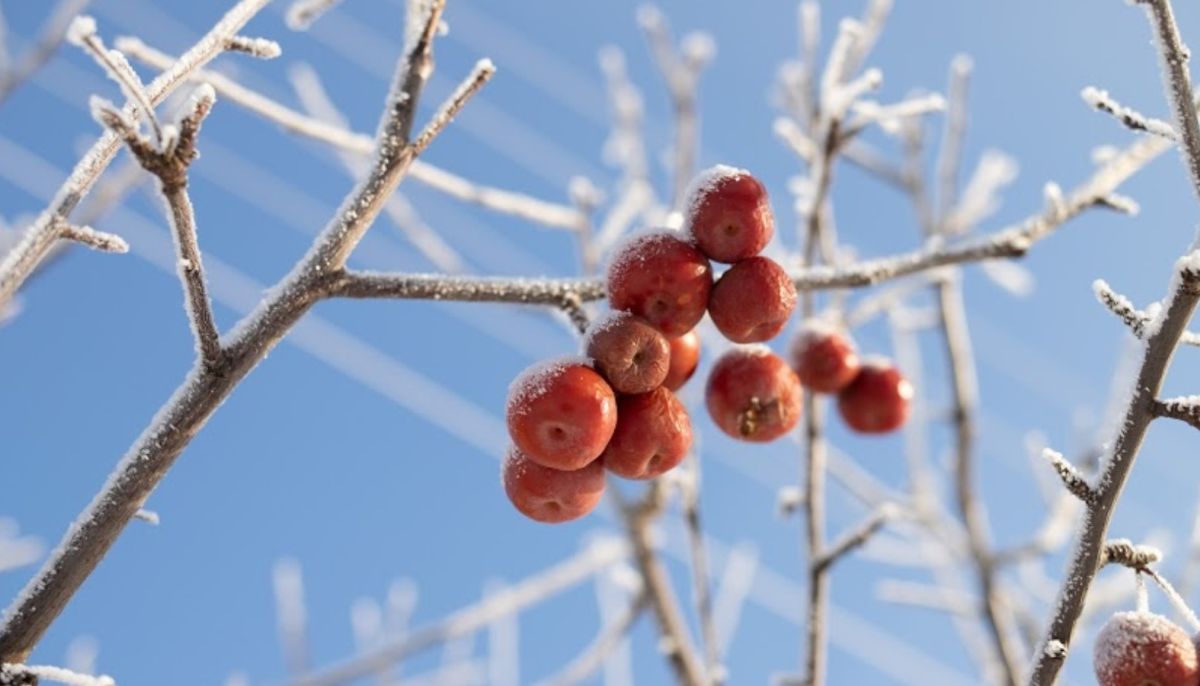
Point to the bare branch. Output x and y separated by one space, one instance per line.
1072 479
484 70
1131 118
1185 409
96 240
856 537
20 262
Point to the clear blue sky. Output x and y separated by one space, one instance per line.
366 446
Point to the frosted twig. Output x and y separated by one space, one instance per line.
20 262
950 151
494 199
889 117
262 48
1135 319
1131 118
1176 600
980 197
530 591
303 13
609 638
849 32
170 164
856 537
52 36
82 32
625 145
874 17
96 240
1185 409
30 674
148 516
1072 479
1123 552
205 387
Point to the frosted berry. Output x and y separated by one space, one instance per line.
752 301
824 358
662 279
551 495
878 399
653 435
685 356
630 353
729 215
561 414
752 395
1142 648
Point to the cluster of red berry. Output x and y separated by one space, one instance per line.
1140 648
569 419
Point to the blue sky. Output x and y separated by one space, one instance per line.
366 446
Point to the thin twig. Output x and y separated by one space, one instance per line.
1185 409
96 240
856 537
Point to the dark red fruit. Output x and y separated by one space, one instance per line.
653 435
878 399
685 356
824 358
1142 648
752 395
729 215
631 354
551 495
752 301
561 414
662 279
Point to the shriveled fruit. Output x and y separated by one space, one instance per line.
632 355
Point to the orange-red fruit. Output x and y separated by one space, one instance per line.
824 358
685 356
551 495
752 301
653 435
561 414
1142 648
729 215
878 399
662 279
630 353
752 395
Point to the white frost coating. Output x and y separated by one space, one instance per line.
891 118
1103 154
262 48
1131 118
698 47
980 198
148 516
81 27
849 32
1055 202
789 499
538 379
1141 639
702 184
202 96
841 97
1055 649
55 674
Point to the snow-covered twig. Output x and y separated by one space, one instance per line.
19 674
1131 118
1074 481
546 213
206 386
17 265
950 150
96 240
262 48
1185 409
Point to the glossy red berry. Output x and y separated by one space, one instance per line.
654 434
662 279
752 395
631 354
728 214
752 301
561 414
824 358
1140 648
551 495
685 356
878 399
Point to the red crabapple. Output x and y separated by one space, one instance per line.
1140 648
752 301
877 401
630 353
653 435
728 214
561 414
824 358
685 356
752 395
551 495
662 279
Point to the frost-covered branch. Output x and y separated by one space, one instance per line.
206 386
1072 479
17 265
532 209
1185 409
1123 552
96 240
1131 118
22 675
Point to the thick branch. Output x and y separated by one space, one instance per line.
1178 83
20 262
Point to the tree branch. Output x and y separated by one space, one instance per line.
1185 409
